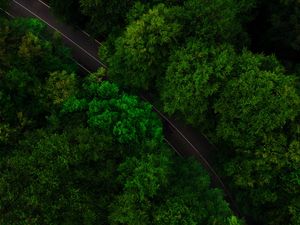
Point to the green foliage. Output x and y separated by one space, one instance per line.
30 47
116 11
189 51
142 7
51 180
249 106
244 119
24 90
60 86
24 39
148 199
141 52
233 221
215 21
100 161
142 180
255 113
6 133
195 77
99 11
80 177
244 102
16 81
22 26
111 111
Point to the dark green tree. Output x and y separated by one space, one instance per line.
195 77
23 102
116 11
98 12
216 21
255 113
141 53
152 194
60 86
58 179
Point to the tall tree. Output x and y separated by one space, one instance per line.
60 86
51 180
255 113
195 77
142 52
111 111
23 102
152 194
261 82
216 21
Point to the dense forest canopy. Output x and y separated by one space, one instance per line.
84 147
79 150
228 68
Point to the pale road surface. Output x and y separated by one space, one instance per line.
183 139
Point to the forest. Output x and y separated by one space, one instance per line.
87 150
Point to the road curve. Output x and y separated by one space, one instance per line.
85 52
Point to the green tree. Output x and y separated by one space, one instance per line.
255 113
6 134
111 111
97 10
141 53
195 77
116 11
142 180
153 194
51 180
23 102
14 108
60 86
216 21
244 117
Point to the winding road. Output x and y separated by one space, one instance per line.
183 139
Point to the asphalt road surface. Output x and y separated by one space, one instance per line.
183 139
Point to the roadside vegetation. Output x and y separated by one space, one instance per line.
79 150
82 151
227 67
